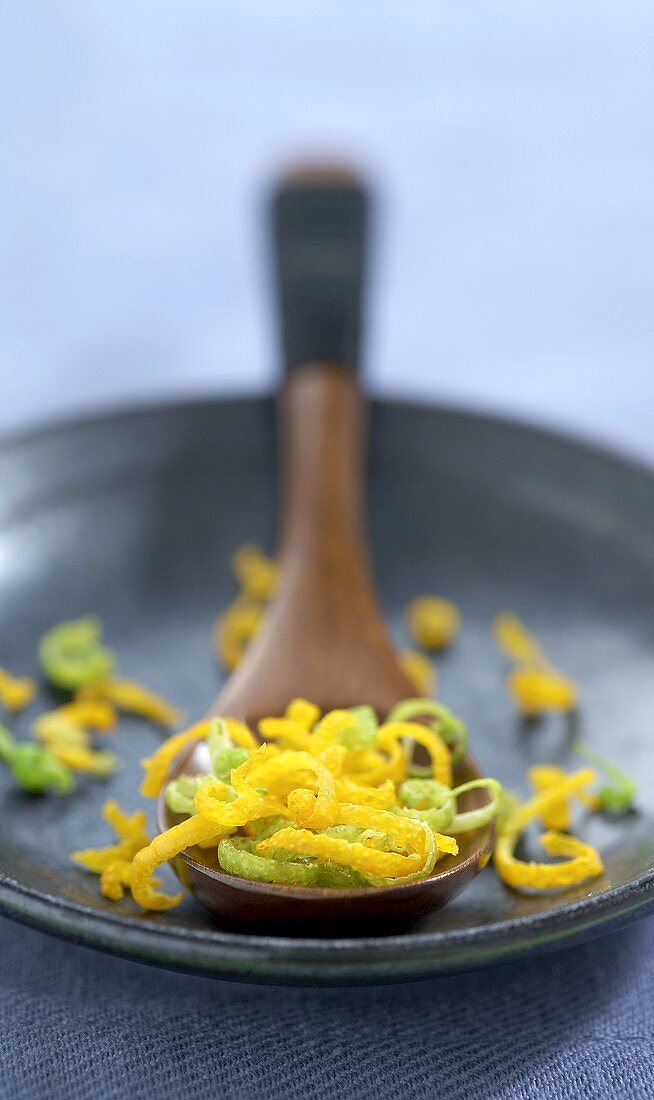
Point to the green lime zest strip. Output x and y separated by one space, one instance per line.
6 745
226 761
432 852
423 794
181 792
354 834
218 738
427 800
267 827
618 794
264 827
363 734
35 768
351 833
72 655
474 819
338 877
223 753
438 818
237 858
453 731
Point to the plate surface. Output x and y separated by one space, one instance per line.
135 516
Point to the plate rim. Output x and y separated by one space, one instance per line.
347 960
343 961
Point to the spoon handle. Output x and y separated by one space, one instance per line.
319 221
323 636
326 613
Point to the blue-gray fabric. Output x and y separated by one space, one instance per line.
78 1025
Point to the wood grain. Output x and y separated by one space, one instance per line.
323 636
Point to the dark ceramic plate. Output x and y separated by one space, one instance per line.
135 516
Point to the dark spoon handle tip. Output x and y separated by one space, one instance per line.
319 222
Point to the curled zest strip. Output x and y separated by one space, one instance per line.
423 794
363 734
451 729
585 861
432 622
156 767
418 668
113 863
131 832
288 731
98 764
304 713
529 811
235 629
330 728
72 654
35 768
395 762
533 685
181 792
367 766
71 744
159 851
403 832
16 692
438 818
381 798
358 856
534 690
542 778
474 819
241 735
237 858
427 800
282 772
230 743
516 642
257 574
95 714
114 878
249 802
294 734
52 729
391 737
315 811
135 698
334 758
618 793
126 826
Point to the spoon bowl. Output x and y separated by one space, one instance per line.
374 910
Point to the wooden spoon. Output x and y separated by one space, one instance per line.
323 637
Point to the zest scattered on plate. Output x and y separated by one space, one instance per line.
336 800
74 661
330 800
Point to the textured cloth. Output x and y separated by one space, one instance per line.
77 1025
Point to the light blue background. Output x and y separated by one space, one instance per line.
513 147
